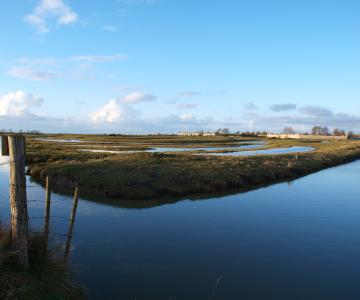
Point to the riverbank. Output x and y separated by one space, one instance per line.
157 175
46 278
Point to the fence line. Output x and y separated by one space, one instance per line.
14 146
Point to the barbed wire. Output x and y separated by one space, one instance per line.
5 163
11 161
30 219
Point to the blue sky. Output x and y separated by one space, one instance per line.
140 66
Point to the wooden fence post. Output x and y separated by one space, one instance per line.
4 145
18 201
71 225
47 211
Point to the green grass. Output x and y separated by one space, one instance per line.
150 175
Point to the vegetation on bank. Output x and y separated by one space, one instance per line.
46 278
150 175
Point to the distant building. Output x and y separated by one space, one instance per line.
196 133
306 136
184 133
283 136
209 134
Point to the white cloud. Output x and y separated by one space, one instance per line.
113 112
31 74
34 69
50 9
73 68
18 104
186 117
120 110
137 97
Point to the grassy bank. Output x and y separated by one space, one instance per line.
46 278
150 175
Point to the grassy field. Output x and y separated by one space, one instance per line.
173 174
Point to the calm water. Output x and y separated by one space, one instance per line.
298 240
59 140
294 149
247 145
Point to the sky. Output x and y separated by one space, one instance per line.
149 66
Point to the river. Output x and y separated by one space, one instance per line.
292 240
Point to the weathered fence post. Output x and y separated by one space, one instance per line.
18 201
4 145
47 211
71 224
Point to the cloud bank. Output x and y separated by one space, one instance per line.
18 110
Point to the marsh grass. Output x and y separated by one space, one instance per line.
157 175
46 278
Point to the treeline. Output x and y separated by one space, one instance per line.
319 130
20 131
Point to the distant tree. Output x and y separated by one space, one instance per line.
326 131
288 130
223 131
318 130
338 132
246 134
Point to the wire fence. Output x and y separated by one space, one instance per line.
50 219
